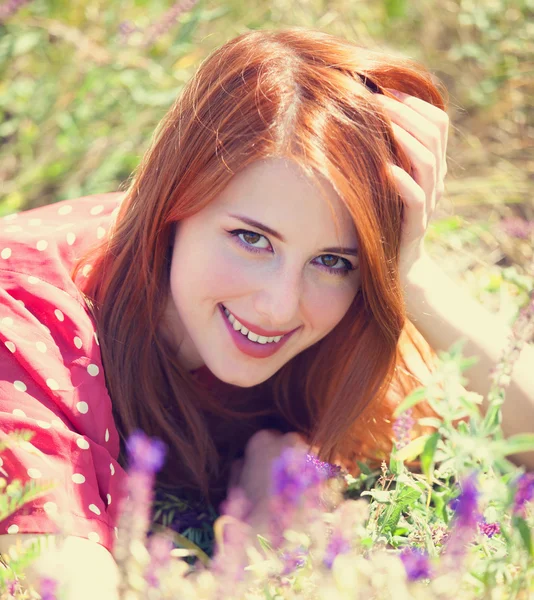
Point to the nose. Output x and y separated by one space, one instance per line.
279 298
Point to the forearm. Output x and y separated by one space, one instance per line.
444 312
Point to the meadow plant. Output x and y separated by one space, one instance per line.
458 526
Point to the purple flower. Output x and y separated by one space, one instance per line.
293 474
330 470
517 227
48 588
489 529
9 8
293 560
416 563
402 428
338 544
145 454
159 548
524 493
465 506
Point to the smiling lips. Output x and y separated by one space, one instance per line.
258 343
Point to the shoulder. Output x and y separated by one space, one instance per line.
46 242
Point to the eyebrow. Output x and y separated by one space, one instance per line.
279 236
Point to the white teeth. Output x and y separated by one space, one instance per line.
253 337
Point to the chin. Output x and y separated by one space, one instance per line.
241 377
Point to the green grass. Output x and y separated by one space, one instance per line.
79 104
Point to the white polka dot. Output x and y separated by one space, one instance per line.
78 478
78 342
93 370
43 424
45 328
13 528
93 536
7 321
71 238
60 316
109 499
13 229
112 468
57 423
17 412
106 436
52 384
11 217
82 443
6 253
86 270
96 210
20 386
35 222
100 233
50 508
10 346
95 509
42 245
21 303
33 280
41 346
96 339
34 473
82 407
65 210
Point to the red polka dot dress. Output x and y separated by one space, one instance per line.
51 374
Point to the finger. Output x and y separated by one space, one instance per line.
235 472
415 216
262 441
423 164
434 114
418 126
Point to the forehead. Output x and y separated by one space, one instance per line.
277 192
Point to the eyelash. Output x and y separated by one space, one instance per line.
339 272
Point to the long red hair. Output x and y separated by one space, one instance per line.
308 96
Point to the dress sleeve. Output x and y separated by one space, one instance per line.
52 384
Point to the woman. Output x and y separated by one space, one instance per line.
259 275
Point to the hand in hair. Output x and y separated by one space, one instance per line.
421 130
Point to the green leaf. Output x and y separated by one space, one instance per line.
412 399
395 9
427 456
406 498
413 449
381 496
522 442
524 531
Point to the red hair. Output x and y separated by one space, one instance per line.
310 97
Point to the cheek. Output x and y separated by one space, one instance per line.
326 308
209 273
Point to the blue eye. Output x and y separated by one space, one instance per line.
332 264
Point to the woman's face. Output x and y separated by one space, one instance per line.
263 260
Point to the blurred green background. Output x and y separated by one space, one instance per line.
84 84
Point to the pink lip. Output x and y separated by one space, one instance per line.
252 348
